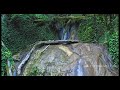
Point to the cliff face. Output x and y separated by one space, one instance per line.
79 59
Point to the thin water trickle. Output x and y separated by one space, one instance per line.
80 68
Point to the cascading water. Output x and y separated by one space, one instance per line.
68 32
64 34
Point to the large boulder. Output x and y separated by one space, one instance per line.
80 59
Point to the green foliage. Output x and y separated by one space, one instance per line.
19 30
104 38
6 55
86 31
113 44
86 35
46 34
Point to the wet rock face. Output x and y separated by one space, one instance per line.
69 60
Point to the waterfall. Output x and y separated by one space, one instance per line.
68 32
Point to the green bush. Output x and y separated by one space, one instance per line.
113 47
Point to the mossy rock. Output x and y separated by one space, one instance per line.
69 60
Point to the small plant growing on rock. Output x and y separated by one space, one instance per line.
34 72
